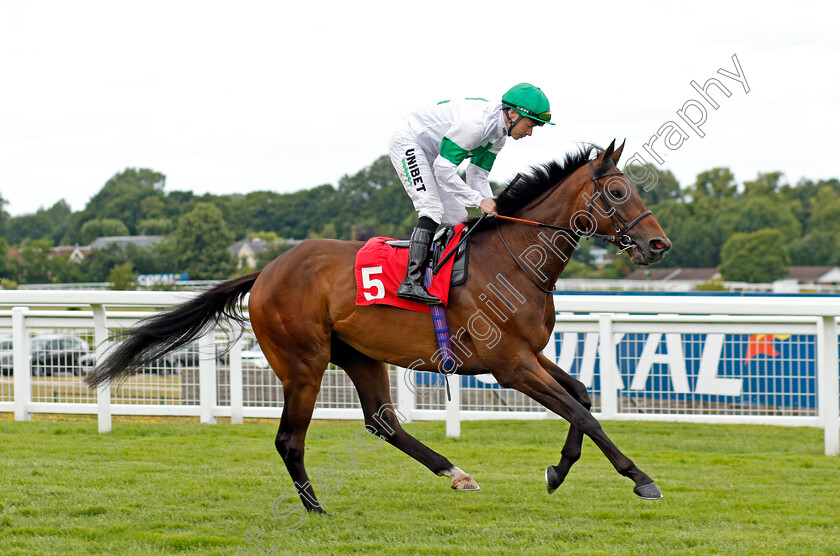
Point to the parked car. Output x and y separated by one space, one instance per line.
6 346
171 363
49 354
252 356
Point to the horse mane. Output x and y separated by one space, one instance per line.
524 188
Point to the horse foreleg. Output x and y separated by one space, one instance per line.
556 474
535 382
382 419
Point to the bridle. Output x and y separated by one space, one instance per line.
624 240
622 227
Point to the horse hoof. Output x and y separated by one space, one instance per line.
464 483
552 479
648 492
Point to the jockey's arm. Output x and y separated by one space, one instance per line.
455 147
448 179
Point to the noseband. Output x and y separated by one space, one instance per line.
622 227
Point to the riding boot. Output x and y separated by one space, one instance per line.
418 253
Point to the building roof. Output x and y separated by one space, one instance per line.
673 274
122 241
257 245
808 272
802 274
70 249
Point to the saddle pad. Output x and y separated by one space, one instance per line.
380 270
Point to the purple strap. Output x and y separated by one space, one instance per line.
442 335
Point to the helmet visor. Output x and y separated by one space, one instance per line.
541 118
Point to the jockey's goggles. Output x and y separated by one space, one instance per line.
541 119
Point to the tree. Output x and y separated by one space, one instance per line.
274 251
817 249
759 212
124 198
328 231
6 265
764 184
825 211
104 227
4 216
359 187
201 243
258 210
760 256
98 264
717 183
34 264
122 277
667 187
152 206
29 227
154 227
696 239
618 268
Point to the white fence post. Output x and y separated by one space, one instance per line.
207 377
236 393
609 371
453 408
406 393
21 364
103 392
827 384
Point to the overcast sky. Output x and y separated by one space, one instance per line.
282 96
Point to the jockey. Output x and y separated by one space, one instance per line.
427 149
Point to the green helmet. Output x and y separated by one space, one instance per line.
529 101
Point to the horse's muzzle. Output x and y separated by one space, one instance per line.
651 252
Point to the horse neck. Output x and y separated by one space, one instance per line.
545 252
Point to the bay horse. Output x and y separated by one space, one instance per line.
303 312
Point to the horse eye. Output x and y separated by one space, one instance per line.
617 193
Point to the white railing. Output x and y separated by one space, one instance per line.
764 360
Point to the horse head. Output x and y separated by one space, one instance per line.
607 205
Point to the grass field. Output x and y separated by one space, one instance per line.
179 487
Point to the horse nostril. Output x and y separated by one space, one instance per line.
659 245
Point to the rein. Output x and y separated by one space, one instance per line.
522 268
622 236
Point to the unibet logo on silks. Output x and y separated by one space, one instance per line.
412 170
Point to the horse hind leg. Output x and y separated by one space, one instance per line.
301 384
382 419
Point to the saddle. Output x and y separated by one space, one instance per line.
380 266
439 243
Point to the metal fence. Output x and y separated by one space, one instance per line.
764 360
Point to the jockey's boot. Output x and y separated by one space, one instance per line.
418 253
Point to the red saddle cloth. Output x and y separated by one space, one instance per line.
380 270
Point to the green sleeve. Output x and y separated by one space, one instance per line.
452 152
485 159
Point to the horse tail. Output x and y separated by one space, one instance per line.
160 334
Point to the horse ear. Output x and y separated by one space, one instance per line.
607 153
617 154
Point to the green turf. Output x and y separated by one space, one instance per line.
172 488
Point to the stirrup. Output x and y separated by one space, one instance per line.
416 292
